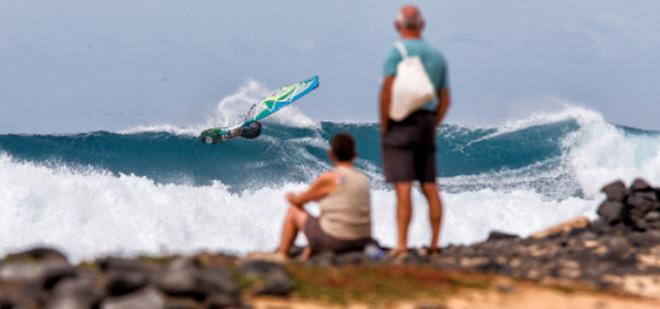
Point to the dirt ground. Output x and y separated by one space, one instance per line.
503 293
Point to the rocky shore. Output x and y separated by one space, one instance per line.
617 254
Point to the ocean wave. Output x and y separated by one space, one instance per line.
95 213
164 191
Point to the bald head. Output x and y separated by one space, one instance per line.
410 18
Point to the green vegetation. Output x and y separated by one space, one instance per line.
378 285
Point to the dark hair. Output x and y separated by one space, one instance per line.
343 147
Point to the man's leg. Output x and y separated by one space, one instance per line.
430 190
403 213
294 221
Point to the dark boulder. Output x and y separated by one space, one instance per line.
322 259
38 253
497 235
186 278
42 273
352 258
639 204
611 212
217 280
640 185
217 301
273 279
77 293
148 298
615 191
181 283
119 264
5 301
275 283
123 282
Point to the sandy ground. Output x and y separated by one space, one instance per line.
503 294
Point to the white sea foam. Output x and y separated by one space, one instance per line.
231 110
94 213
565 111
600 152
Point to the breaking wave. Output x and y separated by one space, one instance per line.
157 189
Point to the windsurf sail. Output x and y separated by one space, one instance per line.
280 98
266 107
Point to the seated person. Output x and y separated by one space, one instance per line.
344 202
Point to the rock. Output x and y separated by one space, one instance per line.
351 258
276 283
43 273
497 235
37 253
641 202
565 227
652 216
642 240
129 265
183 303
217 280
259 268
273 277
77 293
221 301
148 298
611 212
5 301
183 263
181 283
615 191
323 259
122 283
185 279
640 185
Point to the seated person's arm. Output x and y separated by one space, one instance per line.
321 187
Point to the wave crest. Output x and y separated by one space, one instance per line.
230 111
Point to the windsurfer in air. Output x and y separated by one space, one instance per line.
251 127
250 131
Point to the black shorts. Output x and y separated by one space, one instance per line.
320 241
409 148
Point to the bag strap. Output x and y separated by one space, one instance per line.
402 49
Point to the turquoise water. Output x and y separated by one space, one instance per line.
282 154
160 190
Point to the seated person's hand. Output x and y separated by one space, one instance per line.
292 198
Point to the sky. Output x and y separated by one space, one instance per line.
85 65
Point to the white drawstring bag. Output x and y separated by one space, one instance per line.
412 86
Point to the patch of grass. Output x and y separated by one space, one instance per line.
246 282
90 266
378 285
469 282
158 260
563 288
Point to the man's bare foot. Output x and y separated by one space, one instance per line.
429 251
399 251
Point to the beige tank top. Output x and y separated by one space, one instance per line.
346 212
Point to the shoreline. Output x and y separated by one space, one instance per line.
611 262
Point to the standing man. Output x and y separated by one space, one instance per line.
409 144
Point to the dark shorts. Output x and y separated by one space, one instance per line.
319 241
409 148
